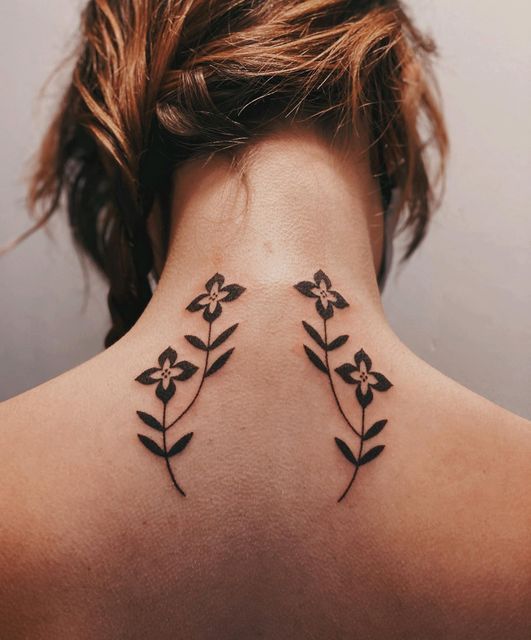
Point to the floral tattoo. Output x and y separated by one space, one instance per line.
171 370
359 374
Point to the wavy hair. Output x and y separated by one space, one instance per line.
156 82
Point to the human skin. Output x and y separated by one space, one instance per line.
432 540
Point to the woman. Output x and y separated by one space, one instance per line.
256 454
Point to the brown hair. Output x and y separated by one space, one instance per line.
157 81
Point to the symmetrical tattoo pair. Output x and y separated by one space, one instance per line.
172 370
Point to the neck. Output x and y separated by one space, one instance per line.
293 205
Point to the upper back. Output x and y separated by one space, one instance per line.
431 539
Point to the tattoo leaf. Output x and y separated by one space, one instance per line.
315 359
371 454
345 450
375 429
223 336
152 446
338 342
217 364
197 343
180 445
315 335
149 420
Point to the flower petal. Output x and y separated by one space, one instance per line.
324 312
340 302
360 357
382 383
183 370
306 288
168 354
364 399
232 292
165 394
198 303
147 376
331 297
347 372
324 300
210 316
216 278
320 276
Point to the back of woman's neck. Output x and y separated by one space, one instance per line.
292 206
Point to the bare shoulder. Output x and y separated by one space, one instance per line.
48 437
464 470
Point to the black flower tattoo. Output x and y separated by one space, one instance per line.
172 371
321 289
364 379
359 374
165 374
215 294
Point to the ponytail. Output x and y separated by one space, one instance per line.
156 82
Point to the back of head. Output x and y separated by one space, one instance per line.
156 83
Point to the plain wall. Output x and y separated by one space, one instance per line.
463 303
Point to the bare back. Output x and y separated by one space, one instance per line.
430 540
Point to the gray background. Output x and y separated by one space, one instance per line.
463 303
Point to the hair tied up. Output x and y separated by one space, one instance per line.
155 83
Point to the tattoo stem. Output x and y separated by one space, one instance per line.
189 406
333 387
360 450
165 448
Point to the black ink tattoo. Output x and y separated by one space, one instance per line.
171 370
359 374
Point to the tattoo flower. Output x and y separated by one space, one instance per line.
364 379
215 294
321 289
170 370
358 374
165 374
